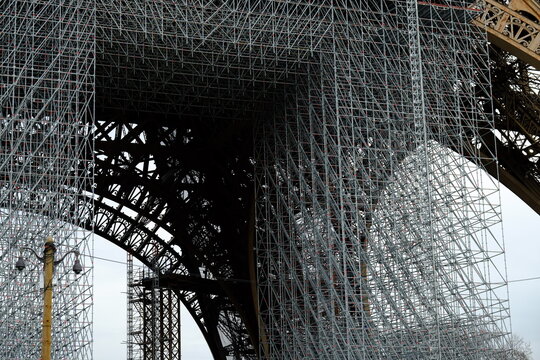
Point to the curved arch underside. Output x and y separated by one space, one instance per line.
177 198
514 30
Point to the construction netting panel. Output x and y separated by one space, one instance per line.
46 107
375 239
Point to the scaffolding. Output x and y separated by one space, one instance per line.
46 111
374 238
154 326
132 327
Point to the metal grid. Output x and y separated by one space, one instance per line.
133 320
373 239
154 331
46 109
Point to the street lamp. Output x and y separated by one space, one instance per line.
48 260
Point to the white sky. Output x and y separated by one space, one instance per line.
522 237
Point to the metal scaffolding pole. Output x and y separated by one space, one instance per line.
375 239
47 61
377 232
155 330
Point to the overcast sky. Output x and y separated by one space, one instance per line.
522 236
110 310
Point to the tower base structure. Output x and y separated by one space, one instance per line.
308 175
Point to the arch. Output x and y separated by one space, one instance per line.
155 202
511 31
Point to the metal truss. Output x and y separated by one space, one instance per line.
512 26
514 31
289 169
157 201
517 110
373 236
155 329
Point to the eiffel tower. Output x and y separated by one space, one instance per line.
307 178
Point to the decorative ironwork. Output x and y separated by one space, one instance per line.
514 27
517 120
171 195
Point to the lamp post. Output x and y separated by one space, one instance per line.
48 268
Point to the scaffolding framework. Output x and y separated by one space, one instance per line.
368 236
46 111
376 240
132 319
154 327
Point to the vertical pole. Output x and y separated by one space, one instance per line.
49 251
130 307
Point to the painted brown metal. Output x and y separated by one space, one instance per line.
514 30
48 259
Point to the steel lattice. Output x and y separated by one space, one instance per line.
46 111
290 167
